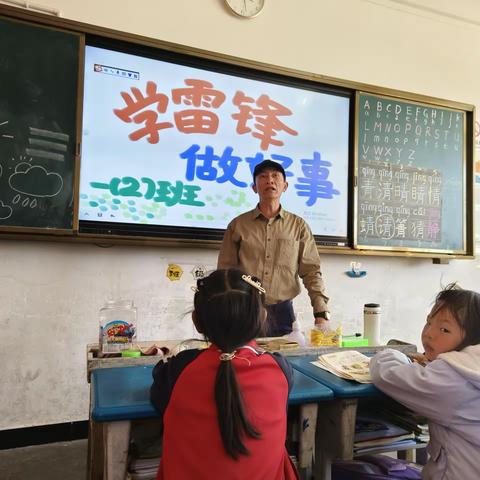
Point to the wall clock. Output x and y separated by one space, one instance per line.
246 8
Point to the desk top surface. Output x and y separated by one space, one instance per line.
341 388
124 393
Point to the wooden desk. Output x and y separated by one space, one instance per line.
336 420
121 395
94 361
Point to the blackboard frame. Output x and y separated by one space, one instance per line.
369 231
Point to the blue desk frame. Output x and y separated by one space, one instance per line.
121 395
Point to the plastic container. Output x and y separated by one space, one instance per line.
118 326
372 313
131 353
354 341
326 335
296 335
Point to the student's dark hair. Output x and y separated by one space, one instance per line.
229 313
464 305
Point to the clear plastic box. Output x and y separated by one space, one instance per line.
118 326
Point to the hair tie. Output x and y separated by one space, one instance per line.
226 357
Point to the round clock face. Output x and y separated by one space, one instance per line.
246 8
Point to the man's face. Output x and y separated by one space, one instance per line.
269 184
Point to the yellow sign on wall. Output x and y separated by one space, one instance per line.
174 272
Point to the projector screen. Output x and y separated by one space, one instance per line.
167 145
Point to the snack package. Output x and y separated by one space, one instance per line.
325 336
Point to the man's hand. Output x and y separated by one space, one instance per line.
322 323
321 317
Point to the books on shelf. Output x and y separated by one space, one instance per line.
384 441
143 468
408 419
369 427
349 364
374 430
387 447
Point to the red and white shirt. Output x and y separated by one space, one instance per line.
183 393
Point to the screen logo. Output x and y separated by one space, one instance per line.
117 72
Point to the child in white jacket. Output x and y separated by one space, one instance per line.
447 389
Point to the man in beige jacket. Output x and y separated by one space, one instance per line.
277 247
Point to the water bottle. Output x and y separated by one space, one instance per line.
371 323
118 326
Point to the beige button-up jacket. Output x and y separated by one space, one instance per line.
279 251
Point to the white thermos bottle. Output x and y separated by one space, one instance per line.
371 323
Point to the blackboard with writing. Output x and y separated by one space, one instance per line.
410 176
38 101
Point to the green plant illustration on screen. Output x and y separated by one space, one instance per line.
108 208
241 199
235 199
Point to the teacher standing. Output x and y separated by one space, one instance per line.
277 247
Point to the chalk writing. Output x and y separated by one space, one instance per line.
397 132
5 211
47 144
35 180
398 202
409 174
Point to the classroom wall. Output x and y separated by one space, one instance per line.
50 293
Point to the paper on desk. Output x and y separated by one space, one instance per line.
350 364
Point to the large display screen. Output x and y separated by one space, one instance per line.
166 144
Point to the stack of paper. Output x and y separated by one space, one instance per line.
410 420
274 344
349 364
373 430
143 468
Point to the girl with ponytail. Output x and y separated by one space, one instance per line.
224 408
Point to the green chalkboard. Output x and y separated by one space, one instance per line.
38 101
411 176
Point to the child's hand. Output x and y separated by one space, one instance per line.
418 358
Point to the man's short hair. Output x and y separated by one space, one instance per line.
265 165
